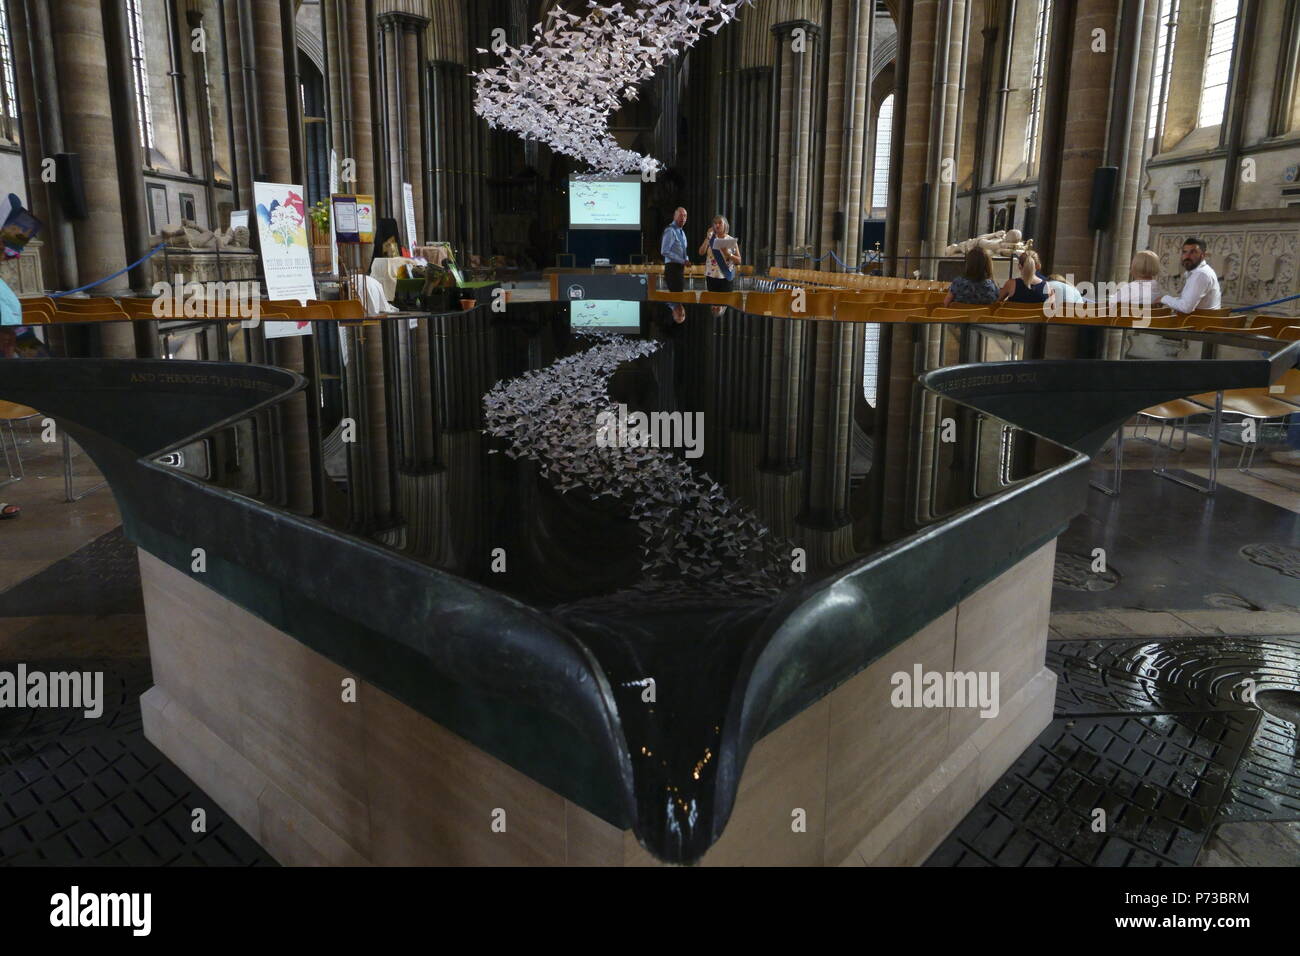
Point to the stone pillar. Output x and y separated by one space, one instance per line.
785 364
838 111
411 84
944 176
359 71
40 117
914 145
241 85
858 75
794 133
1117 242
390 47
81 63
274 112
1085 134
836 356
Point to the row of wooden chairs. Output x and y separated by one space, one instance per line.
895 307
657 269
43 310
853 280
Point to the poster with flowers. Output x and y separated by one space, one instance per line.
286 250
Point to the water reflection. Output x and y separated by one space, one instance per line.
783 485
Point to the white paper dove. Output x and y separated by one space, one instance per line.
561 88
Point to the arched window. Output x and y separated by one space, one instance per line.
140 74
1166 36
1034 122
880 166
1214 87
8 94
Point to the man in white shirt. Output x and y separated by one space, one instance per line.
1201 288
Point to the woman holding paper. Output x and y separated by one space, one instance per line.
721 257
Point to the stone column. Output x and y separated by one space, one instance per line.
1084 141
81 62
914 145
839 108
411 84
1117 242
858 73
837 376
793 110
273 111
944 176
42 135
390 46
241 85
359 68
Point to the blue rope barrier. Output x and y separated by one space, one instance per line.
91 285
1264 305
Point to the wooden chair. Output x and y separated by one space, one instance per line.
817 304
768 303
969 314
98 304
345 309
894 315
732 299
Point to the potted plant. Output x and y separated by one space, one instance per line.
439 287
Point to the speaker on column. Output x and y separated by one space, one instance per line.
837 229
1104 179
71 187
925 212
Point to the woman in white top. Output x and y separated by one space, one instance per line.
1141 291
714 277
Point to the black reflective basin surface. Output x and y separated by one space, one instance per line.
462 509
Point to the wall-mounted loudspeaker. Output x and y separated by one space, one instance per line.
1104 179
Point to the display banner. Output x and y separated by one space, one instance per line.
366 218
286 252
408 203
334 187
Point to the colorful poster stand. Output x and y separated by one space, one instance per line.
286 252
344 217
353 217
366 217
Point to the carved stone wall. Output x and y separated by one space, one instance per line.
23 274
1254 252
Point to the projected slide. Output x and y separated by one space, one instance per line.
610 314
607 204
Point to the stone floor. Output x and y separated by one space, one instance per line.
1152 724
75 790
1158 755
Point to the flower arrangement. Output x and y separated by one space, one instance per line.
320 215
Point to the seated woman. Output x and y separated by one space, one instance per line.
1138 294
1064 291
1031 285
975 286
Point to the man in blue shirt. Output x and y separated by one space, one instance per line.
673 248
